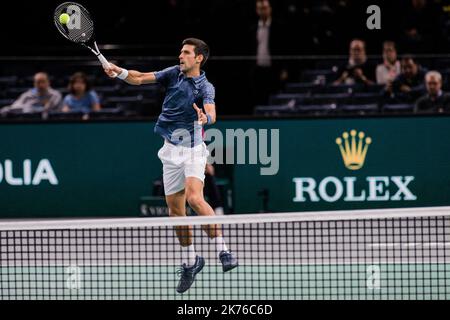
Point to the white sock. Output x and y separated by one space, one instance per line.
218 211
220 245
188 255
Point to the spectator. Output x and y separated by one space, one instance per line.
41 96
268 37
409 84
81 97
420 22
390 68
435 100
357 70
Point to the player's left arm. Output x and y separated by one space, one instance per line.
210 110
208 116
209 104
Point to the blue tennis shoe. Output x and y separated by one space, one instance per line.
188 274
228 260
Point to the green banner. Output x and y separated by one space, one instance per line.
333 164
104 169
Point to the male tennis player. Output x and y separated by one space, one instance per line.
188 105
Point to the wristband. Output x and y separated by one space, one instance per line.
209 119
123 75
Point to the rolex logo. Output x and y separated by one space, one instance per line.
353 149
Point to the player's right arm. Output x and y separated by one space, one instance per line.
134 77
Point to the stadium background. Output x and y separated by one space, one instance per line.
106 165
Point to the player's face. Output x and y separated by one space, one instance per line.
187 57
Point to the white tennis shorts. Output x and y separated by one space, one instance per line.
180 162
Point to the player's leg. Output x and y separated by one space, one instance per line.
194 170
173 178
194 196
196 200
177 208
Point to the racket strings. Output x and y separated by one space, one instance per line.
80 28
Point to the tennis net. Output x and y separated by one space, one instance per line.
360 254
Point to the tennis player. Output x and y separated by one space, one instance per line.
188 106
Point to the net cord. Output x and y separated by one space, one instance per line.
142 222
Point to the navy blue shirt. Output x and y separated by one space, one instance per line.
178 115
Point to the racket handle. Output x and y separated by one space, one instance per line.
104 62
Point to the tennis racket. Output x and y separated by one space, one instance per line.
79 28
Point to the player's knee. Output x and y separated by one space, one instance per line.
195 200
177 212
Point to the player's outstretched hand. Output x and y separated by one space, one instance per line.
202 119
112 71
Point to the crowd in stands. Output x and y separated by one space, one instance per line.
365 86
82 95
42 98
394 81
359 84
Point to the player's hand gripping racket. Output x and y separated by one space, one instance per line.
74 22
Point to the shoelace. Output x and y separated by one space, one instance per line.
227 256
179 272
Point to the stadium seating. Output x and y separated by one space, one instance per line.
116 97
310 92
360 109
401 107
276 110
318 109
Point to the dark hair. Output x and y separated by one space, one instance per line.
79 76
389 44
200 48
408 57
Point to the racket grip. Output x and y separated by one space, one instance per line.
104 62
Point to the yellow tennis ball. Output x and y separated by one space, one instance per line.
64 18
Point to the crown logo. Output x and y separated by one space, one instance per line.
353 149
